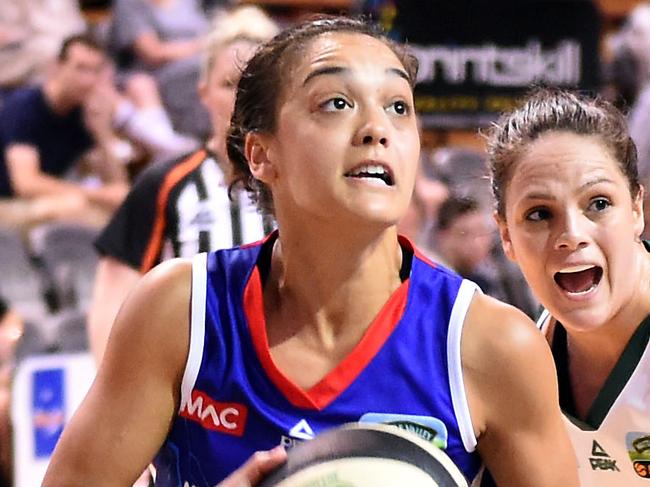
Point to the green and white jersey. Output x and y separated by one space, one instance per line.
612 445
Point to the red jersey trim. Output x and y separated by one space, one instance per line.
338 379
262 241
406 242
154 246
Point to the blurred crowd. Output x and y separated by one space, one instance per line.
88 109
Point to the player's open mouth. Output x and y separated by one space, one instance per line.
579 279
376 173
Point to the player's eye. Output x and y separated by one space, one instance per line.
336 104
538 215
599 204
399 107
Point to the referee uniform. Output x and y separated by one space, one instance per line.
179 208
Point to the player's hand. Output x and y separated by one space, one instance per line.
251 472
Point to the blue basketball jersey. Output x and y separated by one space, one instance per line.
406 370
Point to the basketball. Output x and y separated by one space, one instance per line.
366 455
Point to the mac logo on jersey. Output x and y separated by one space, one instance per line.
301 431
224 417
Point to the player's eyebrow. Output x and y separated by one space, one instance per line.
332 70
536 195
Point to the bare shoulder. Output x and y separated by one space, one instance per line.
501 350
511 390
156 312
496 329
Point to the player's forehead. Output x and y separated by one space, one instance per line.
342 57
347 50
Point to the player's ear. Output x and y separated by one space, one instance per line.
260 155
504 233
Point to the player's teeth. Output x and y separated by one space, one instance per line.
577 268
371 169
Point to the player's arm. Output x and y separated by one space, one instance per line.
114 280
512 393
130 407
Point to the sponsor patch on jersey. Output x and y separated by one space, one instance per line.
428 428
224 417
600 459
638 448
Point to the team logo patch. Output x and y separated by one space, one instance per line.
426 427
300 432
224 417
638 448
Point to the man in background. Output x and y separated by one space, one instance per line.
46 129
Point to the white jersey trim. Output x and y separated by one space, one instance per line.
197 326
455 367
543 320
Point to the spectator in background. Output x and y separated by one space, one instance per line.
636 40
45 129
181 207
31 33
163 38
464 238
428 194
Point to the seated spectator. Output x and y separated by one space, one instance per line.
163 38
465 241
182 207
45 129
31 33
636 39
417 224
139 116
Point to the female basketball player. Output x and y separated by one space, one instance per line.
333 318
569 207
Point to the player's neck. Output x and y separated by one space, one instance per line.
330 283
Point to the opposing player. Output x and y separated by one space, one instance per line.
570 211
333 318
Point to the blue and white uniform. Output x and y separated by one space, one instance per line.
405 370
